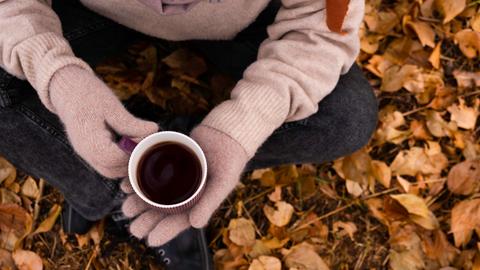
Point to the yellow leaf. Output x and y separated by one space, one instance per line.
8 173
281 215
266 263
428 160
434 58
30 188
241 232
438 126
276 195
475 22
465 219
424 31
418 210
381 172
27 260
303 256
450 8
469 42
464 116
48 223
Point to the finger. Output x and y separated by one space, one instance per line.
214 194
126 124
142 225
134 206
125 186
167 229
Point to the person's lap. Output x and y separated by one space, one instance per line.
33 138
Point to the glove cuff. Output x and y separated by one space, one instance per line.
250 116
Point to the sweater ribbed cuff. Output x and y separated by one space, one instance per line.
250 116
41 56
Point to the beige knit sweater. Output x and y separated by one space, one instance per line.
298 64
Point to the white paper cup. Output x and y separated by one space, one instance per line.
137 152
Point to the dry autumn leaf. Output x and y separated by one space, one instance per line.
27 260
30 188
241 232
464 177
266 263
428 160
7 172
15 224
345 228
281 215
304 257
6 260
48 223
418 210
465 219
437 126
464 116
440 249
450 8
382 172
406 250
469 42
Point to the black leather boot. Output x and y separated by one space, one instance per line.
188 251
73 222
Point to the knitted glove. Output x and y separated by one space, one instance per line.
225 160
92 115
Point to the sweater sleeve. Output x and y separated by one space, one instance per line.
32 46
298 65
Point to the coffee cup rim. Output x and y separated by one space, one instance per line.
152 140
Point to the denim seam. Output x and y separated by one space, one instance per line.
58 135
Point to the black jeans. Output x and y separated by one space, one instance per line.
33 139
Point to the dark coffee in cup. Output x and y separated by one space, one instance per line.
169 173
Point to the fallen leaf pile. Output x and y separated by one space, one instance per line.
408 200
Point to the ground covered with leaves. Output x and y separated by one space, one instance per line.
408 200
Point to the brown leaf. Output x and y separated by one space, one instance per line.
395 77
6 260
406 252
224 260
281 215
440 249
465 219
8 173
7 196
437 126
424 31
464 116
30 188
475 22
241 232
259 249
276 195
375 205
450 8
15 224
27 260
303 256
467 79
434 58
382 173
48 223
464 177
266 263
469 42
187 62
345 228
428 160
418 210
